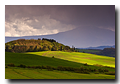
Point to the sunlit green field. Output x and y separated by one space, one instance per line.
66 59
21 73
79 57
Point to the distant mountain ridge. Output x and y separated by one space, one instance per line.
99 47
79 37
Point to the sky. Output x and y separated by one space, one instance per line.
29 20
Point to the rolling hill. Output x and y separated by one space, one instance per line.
75 60
32 45
45 56
90 59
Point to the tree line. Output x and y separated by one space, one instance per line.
63 68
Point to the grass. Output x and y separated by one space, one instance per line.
21 73
65 59
31 59
34 60
79 57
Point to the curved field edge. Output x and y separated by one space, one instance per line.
34 60
79 57
20 73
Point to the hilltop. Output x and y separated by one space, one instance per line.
32 45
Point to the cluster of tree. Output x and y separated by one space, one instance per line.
51 40
63 68
107 52
22 45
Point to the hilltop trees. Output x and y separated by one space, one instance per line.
32 45
51 40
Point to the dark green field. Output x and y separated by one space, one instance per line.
20 73
33 59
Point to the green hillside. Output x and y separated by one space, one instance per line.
34 60
20 73
78 57
48 59
45 58
32 45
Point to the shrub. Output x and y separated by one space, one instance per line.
86 64
49 68
90 69
11 65
100 70
33 67
69 69
94 70
106 70
38 67
28 67
22 66
53 57
110 73
6 66
86 72
82 68
61 68
44 67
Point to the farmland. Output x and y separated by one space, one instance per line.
78 57
64 59
20 73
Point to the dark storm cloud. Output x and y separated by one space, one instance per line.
24 20
86 15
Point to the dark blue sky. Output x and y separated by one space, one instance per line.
89 20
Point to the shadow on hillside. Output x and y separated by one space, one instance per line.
35 60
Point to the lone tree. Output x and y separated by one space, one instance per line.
73 48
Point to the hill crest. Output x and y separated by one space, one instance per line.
32 45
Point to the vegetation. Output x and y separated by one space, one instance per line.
31 61
105 52
38 60
87 70
22 45
54 61
90 59
92 51
25 73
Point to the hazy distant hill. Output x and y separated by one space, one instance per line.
79 37
107 52
99 47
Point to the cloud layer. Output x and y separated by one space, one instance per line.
37 25
42 20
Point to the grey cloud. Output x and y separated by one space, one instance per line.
57 18
15 26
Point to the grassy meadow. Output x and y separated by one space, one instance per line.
20 73
64 59
79 57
